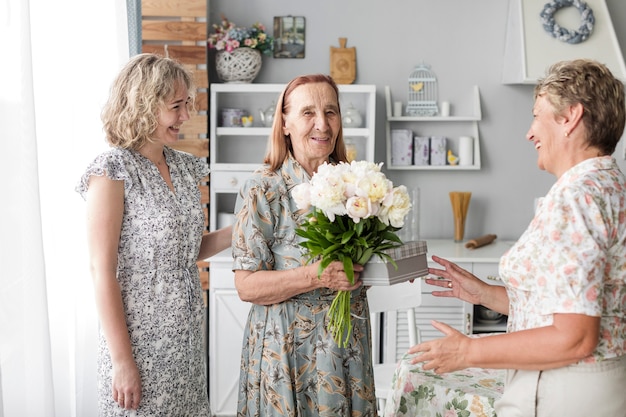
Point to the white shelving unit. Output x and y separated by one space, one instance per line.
235 152
450 126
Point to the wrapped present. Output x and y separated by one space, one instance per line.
438 151
401 147
410 259
421 150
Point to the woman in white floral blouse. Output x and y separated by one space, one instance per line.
565 278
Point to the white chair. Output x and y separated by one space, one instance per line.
389 300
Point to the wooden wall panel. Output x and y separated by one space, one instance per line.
194 127
202 102
186 8
200 77
173 31
178 29
197 147
189 54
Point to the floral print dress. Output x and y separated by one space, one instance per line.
572 257
158 275
290 364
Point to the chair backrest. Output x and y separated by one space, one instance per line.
396 297
405 296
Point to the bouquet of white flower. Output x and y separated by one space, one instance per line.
356 212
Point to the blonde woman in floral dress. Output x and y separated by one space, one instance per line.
145 230
565 278
291 366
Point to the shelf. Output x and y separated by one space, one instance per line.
434 119
437 126
235 152
243 131
234 166
265 131
433 167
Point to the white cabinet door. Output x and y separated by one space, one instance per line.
227 318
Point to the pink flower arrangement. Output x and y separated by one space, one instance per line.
228 37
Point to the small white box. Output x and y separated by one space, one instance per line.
421 150
411 263
438 150
401 147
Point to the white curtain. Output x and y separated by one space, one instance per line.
58 59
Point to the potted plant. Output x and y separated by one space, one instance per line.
239 50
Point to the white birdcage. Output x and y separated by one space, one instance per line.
422 92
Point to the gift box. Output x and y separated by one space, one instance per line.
411 263
438 150
401 147
421 150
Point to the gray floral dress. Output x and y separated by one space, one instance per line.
290 364
157 271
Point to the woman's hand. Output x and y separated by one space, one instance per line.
465 286
442 355
126 385
458 282
335 278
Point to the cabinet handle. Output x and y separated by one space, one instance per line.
468 324
493 277
233 181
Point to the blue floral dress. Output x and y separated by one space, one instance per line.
290 365
158 275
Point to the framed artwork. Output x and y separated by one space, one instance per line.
289 36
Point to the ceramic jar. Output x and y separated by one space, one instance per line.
351 117
232 117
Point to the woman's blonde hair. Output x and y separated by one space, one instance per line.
591 84
280 144
138 94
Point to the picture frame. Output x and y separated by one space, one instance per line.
289 36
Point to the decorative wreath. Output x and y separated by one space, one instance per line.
567 35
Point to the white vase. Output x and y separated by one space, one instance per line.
242 65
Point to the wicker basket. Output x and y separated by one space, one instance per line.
242 65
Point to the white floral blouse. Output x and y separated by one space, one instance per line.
572 257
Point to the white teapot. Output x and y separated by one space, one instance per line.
351 117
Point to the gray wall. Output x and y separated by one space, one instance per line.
463 41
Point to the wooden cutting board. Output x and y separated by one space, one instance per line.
343 63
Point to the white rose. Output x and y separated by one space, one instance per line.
358 208
374 186
395 209
301 194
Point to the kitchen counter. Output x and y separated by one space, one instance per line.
445 248
457 252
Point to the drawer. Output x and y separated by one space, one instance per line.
487 271
228 181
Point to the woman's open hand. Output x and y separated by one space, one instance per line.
442 355
457 282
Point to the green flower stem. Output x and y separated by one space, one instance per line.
340 319
348 242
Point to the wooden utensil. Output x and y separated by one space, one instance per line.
480 241
460 204
343 63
